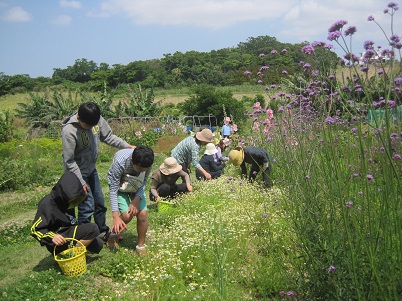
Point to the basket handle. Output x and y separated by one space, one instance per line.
67 238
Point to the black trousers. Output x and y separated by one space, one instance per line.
86 231
166 190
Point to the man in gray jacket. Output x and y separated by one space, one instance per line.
81 136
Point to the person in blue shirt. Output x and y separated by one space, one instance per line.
226 128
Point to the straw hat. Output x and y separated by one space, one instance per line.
170 166
210 149
236 156
205 135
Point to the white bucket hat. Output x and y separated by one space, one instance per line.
170 166
210 149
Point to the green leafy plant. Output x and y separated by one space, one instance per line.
6 126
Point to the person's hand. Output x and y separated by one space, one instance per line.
118 224
189 187
131 146
59 240
134 207
207 176
157 199
85 187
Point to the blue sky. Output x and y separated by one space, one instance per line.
37 36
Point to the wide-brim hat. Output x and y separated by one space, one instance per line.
170 166
236 156
210 149
205 135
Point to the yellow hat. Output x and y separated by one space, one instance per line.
236 156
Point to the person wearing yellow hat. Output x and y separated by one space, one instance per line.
188 150
164 179
257 157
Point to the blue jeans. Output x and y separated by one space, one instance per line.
94 204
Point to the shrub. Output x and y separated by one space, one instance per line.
29 164
6 126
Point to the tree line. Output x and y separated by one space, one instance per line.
224 67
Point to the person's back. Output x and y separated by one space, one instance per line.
208 163
52 226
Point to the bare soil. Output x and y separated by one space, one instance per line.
166 143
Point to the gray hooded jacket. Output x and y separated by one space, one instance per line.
80 146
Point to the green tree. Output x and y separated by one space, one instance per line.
206 100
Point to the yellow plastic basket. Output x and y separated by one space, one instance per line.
76 264
164 206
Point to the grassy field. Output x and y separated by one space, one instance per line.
175 96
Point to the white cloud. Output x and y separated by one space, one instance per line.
202 13
62 20
73 4
310 20
16 14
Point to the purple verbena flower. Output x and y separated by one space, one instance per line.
393 5
330 120
370 18
261 55
334 35
338 25
350 31
308 49
398 81
273 51
331 268
397 157
368 45
395 38
370 178
348 204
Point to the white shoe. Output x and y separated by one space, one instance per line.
142 251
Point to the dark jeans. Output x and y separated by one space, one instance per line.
214 174
255 169
165 190
94 204
84 232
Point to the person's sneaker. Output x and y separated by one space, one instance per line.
112 240
142 251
